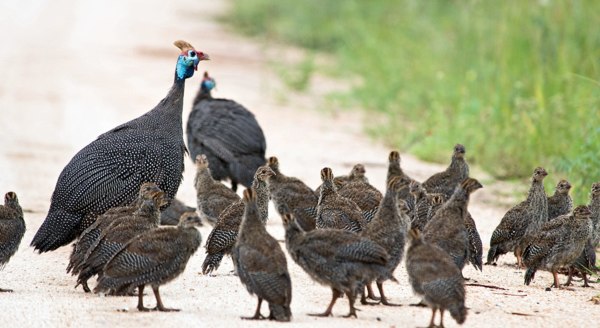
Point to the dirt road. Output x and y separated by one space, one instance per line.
74 69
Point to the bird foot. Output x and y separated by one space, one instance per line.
351 314
324 314
255 317
365 302
165 309
420 304
2 290
144 309
386 303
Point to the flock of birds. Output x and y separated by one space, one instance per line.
114 194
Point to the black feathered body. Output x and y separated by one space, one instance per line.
12 229
230 137
109 171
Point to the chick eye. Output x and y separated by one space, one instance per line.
192 53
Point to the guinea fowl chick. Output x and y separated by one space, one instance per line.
475 245
560 203
436 200
212 196
228 134
394 169
340 259
12 229
222 238
108 171
520 221
388 229
445 182
117 234
446 229
261 264
362 193
152 258
335 211
171 214
434 276
293 193
148 191
558 243
421 203
357 173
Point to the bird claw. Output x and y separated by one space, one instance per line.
259 317
351 314
323 315
5 290
164 309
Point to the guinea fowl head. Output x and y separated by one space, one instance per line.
249 196
326 175
358 171
263 173
273 163
582 212
208 83
415 187
10 198
201 161
414 234
394 157
149 190
563 187
188 59
595 189
189 219
437 198
470 185
539 174
459 151
397 183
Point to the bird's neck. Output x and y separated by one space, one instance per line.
203 179
262 198
251 223
203 94
394 169
538 200
327 190
458 164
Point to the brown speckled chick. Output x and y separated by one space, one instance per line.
394 169
362 193
153 258
261 265
293 193
224 234
560 203
212 197
340 259
422 203
520 221
91 234
335 211
445 182
558 243
388 229
12 229
447 227
357 173
120 231
434 276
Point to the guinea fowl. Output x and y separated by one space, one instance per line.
212 196
394 169
12 229
289 193
520 221
445 182
109 171
340 259
446 229
361 192
558 243
223 236
434 276
153 258
560 203
228 134
388 229
148 191
261 264
335 211
117 234
356 174
171 214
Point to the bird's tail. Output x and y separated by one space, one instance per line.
59 229
529 275
280 312
492 256
458 311
211 262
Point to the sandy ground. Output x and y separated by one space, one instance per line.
72 70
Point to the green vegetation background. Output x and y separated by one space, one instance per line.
517 82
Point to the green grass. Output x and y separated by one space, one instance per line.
517 82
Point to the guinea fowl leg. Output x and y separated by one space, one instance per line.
384 300
257 315
141 299
85 286
159 303
369 294
556 283
351 299
585 279
431 322
441 318
335 295
234 185
570 277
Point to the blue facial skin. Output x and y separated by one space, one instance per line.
208 84
185 66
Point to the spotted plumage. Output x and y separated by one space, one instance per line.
108 172
560 203
361 192
334 211
212 197
445 182
12 229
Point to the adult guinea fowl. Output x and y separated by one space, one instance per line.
108 172
228 134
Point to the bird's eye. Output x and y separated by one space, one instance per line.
192 53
